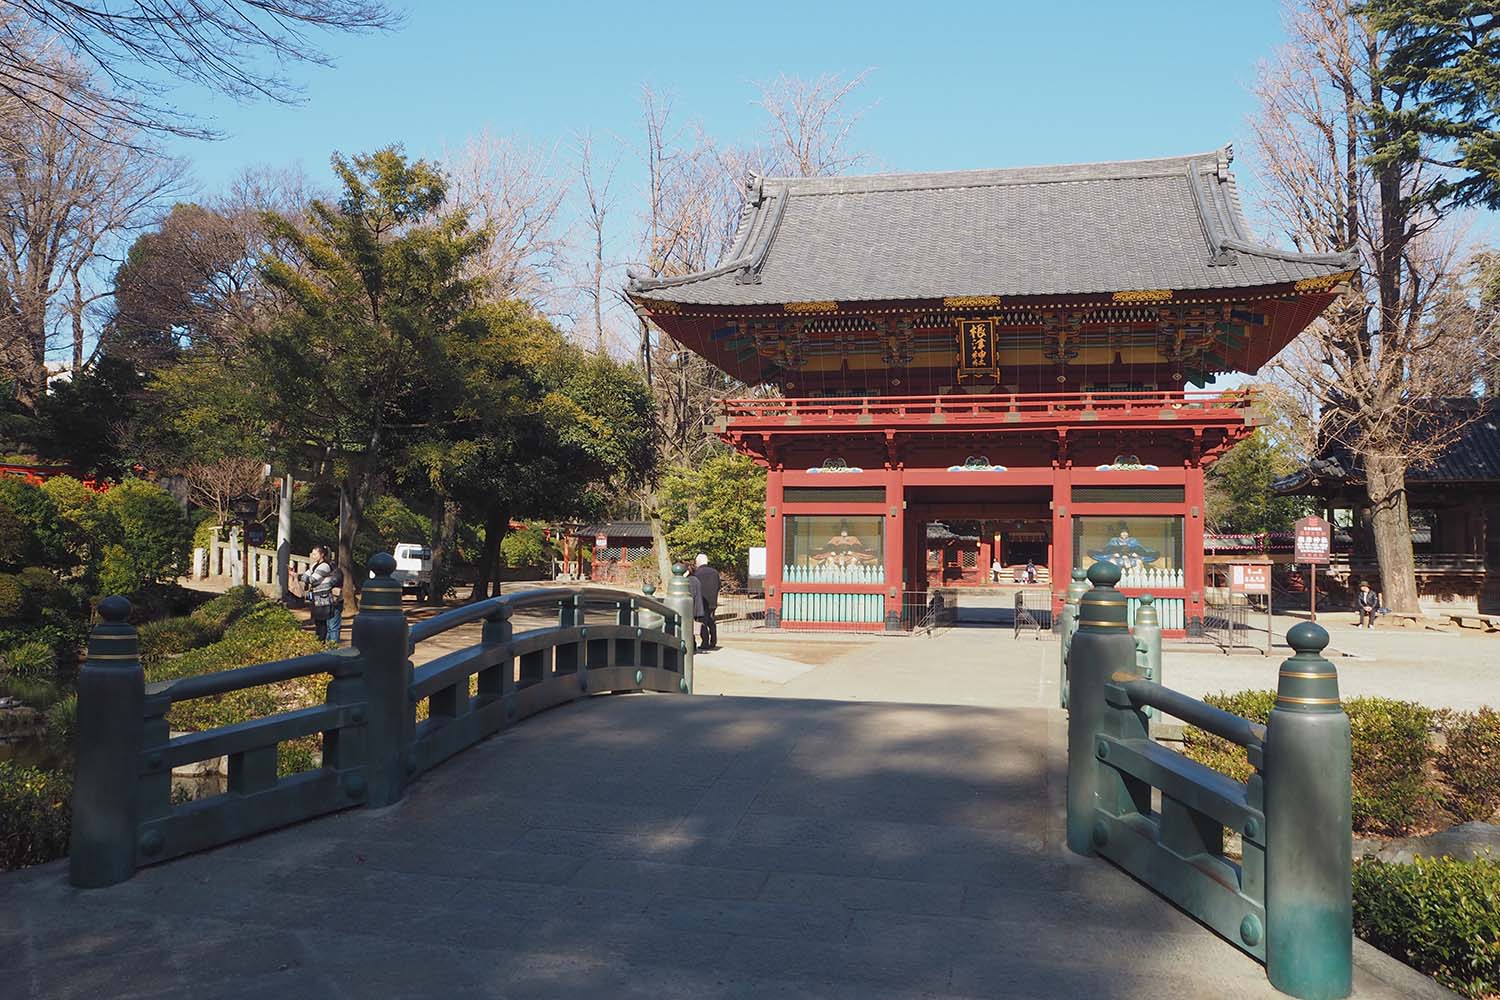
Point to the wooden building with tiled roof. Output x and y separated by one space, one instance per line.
1003 347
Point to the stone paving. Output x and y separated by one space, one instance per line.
656 846
883 819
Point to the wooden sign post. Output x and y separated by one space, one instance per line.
1312 542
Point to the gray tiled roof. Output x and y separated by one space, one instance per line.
1102 227
1473 458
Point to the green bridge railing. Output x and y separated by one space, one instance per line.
1162 817
124 817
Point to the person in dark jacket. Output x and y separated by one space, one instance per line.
708 583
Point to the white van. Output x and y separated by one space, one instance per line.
414 569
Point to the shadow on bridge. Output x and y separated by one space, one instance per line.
647 845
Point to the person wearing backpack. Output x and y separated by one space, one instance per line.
336 591
318 583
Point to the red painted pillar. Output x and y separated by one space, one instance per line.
1192 547
775 548
1061 568
895 547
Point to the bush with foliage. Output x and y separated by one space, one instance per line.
526 547
1438 915
31 530
149 538
262 632
62 721
718 508
32 660
36 812
1470 764
1391 749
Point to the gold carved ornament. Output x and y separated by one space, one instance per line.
1143 295
1323 282
971 301
804 308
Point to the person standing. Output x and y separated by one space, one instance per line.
336 592
695 586
1366 603
709 584
1031 571
317 590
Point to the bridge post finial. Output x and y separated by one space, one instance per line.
111 734
1101 646
1147 631
1068 624
1309 863
382 638
680 599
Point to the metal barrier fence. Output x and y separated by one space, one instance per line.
1226 623
1287 901
924 611
123 814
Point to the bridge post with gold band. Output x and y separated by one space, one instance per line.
1286 900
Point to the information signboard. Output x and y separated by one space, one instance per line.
1312 541
1250 578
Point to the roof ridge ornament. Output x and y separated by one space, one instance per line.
755 187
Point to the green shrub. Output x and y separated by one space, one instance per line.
1392 746
31 531
1218 753
205 531
1392 792
218 614
1437 915
35 815
262 632
11 605
148 537
33 660
526 547
62 722
33 691
1470 764
169 636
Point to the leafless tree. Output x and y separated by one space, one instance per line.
509 187
215 485
126 57
596 182
1386 353
810 124
70 202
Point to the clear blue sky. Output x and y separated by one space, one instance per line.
954 85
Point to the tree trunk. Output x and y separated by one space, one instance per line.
1390 523
444 530
489 556
351 514
659 539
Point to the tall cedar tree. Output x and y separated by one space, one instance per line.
378 288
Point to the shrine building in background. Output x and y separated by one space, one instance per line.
981 377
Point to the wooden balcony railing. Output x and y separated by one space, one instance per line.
1023 408
1427 562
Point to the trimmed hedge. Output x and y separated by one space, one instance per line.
1438 915
1391 749
261 632
1470 763
36 815
206 624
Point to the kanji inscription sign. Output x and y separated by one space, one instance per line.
1312 541
976 349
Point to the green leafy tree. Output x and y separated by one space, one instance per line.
376 284
1441 76
82 423
717 508
1239 493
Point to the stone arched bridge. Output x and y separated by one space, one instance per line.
639 845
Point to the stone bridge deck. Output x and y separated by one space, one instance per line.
657 846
